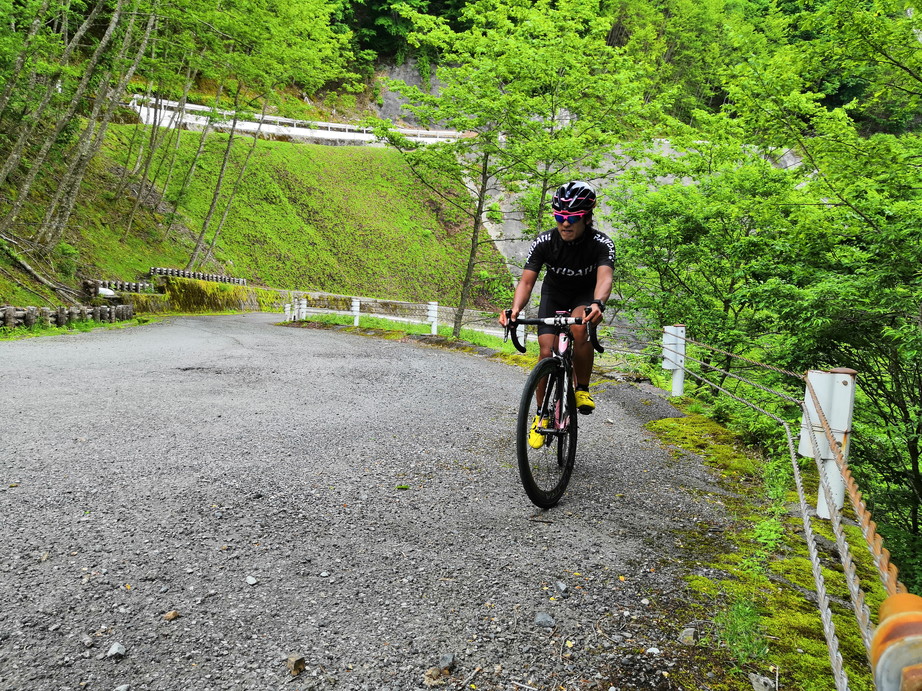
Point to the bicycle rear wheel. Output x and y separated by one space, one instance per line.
546 471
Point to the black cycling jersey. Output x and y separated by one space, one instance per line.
571 266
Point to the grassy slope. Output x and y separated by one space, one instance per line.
340 219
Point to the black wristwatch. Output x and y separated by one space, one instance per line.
600 304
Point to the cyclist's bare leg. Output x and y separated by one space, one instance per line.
583 354
546 347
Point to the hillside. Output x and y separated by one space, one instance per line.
306 217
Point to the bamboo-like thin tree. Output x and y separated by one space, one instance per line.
230 198
38 159
216 194
56 218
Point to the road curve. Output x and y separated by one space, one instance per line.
349 500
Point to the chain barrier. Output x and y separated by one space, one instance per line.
822 596
887 571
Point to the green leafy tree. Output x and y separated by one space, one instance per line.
681 46
705 226
538 93
824 259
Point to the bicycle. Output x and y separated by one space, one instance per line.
545 471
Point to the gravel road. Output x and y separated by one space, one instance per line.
347 500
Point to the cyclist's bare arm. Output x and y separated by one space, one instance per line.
603 282
522 294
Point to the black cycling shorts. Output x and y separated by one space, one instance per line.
561 302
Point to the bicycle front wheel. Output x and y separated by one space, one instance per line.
545 471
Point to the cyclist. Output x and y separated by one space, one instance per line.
580 264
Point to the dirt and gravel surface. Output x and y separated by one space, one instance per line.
189 504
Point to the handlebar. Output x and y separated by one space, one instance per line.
512 328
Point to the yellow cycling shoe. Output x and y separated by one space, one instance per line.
535 439
584 402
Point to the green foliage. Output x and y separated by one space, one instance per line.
188 295
392 329
681 46
67 259
811 265
739 630
37 330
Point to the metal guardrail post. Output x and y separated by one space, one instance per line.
835 391
674 356
433 317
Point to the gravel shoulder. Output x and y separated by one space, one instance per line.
346 500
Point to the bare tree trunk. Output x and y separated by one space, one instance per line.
139 160
123 178
230 198
63 291
482 191
113 96
154 143
174 130
129 169
39 159
200 240
187 178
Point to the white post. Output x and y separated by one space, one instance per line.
302 308
287 312
835 391
674 356
433 317
355 311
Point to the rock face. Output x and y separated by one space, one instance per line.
391 103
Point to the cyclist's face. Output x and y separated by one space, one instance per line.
572 228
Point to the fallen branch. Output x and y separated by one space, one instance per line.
25 287
66 293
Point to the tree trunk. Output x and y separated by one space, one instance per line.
39 159
200 240
230 198
112 99
156 138
190 172
482 191
63 291
172 134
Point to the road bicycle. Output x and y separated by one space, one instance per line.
545 471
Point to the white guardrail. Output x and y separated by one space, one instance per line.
431 313
166 113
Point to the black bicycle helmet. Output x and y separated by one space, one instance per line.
574 196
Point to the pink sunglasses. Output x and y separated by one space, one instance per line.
568 217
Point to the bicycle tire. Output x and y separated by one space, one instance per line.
545 472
